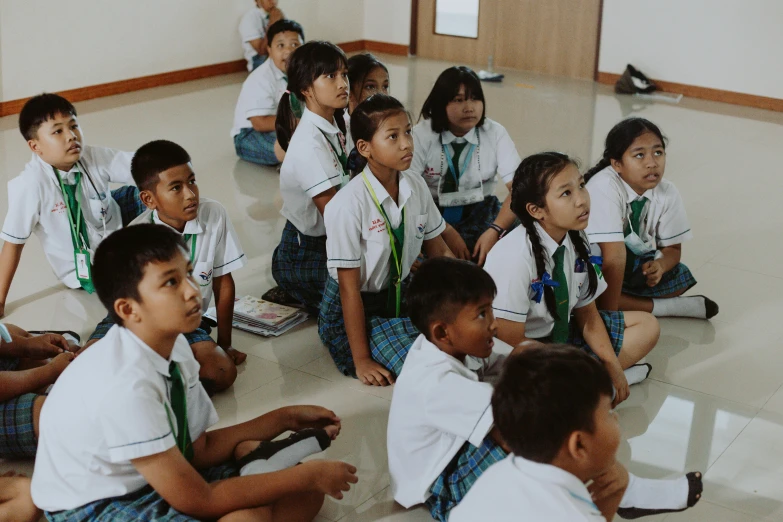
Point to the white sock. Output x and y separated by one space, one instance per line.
637 373
283 454
646 493
696 306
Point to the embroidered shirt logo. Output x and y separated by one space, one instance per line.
205 277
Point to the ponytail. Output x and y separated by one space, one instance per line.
538 255
285 122
582 247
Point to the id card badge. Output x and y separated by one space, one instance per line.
83 268
461 198
637 246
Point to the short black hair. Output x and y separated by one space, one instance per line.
40 109
544 395
123 256
153 158
446 89
282 26
442 286
359 66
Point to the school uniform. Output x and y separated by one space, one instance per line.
517 489
439 422
260 96
314 163
253 26
357 237
645 223
36 205
520 296
126 397
214 250
484 154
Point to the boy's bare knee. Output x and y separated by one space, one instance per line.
19 505
218 372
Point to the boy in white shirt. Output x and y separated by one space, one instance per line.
254 135
164 174
129 447
63 195
252 30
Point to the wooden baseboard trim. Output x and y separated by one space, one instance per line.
372 45
705 93
135 84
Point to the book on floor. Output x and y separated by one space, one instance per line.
260 317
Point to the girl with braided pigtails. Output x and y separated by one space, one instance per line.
548 281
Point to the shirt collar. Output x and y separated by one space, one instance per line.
632 195
405 190
191 227
463 369
549 244
160 364
321 123
447 137
277 73
69 178
553 475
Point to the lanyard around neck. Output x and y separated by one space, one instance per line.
397 256
457 174
189 238
75 226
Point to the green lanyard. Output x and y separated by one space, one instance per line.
188 238
396 258
342 157
81 242
75 226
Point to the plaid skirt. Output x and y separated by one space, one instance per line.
678 279
144 505
128 199
256 147
198 335
299 266
17 436
615 327
463 471
476 219
390 338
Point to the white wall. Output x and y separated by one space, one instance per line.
387 21
730 45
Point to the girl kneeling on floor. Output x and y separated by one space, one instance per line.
375 228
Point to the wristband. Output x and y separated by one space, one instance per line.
501 231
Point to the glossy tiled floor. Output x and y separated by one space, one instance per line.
714 401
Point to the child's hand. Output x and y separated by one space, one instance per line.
653 271
416 264
373 374
608 483
331 477
236 356
303 417
44 346
484 244
456 244
619 382
60 363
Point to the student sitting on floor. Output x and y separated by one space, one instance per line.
124 430
368 76
254 134
639 222
461 154
440 435
165 176
375 228
63 195
252 30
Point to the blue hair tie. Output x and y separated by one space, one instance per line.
597 260
538 286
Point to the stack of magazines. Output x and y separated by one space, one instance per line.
257 316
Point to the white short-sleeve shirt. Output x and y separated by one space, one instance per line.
36 205
517 489
252 26
106 409
356 235
438 404
311 167
217 252
260 95
513 268
495 156
610 198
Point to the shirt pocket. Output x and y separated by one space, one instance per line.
203 273
418 226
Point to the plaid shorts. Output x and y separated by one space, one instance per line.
144 505
128 199
678 279
8 364
17 436
198 335
390 338
476 219
299 266
463 471
256 147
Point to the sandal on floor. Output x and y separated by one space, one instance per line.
267 449
695 489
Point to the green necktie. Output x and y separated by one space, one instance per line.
70 194
180 407
637 206
450 184
560 330
394 271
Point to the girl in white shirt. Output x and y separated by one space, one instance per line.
314 167
461 153
547 281
640 224
376 227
